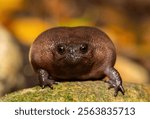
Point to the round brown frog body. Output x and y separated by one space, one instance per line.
68 53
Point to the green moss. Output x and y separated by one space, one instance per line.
95 91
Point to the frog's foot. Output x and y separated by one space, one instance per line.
117 87
45 79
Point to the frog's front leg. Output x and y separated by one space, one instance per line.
115 80
45 79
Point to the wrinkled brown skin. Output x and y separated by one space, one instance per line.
95 63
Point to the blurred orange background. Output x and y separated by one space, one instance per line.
126 22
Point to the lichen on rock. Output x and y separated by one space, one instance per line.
87 91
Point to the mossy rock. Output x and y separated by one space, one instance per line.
89 91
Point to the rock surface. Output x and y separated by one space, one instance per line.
80 91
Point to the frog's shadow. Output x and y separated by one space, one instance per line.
79 80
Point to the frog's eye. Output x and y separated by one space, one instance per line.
83 48
61 49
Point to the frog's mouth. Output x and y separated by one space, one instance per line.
72 69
